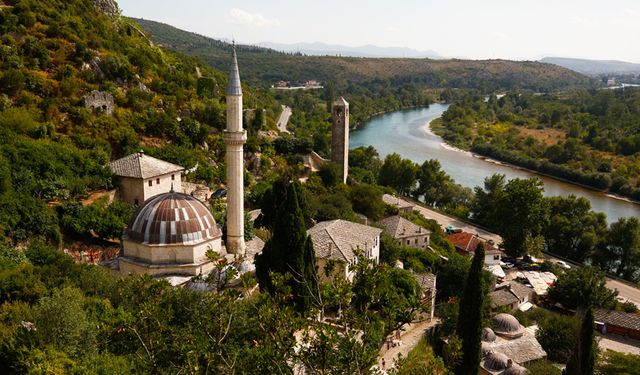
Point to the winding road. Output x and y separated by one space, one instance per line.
283 120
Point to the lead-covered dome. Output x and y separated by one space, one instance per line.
506 324
488 335
172 219
496 362
515 370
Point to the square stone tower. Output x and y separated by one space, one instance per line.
340 136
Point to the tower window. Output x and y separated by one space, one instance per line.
158 181
150 182
173 177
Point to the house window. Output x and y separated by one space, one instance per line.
173 177
496 257
150 182
416 241
426 239
136 202
408 242
158 181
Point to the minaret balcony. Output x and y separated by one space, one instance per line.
234 138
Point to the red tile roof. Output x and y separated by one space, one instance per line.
468 242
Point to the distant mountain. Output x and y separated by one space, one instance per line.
263 66
594 67
324 49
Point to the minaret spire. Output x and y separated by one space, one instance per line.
234 138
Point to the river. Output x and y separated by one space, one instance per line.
405 132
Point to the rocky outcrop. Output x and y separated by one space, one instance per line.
100 101
107 6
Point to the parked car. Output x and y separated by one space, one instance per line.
220 193
563 264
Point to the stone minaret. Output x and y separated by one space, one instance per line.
340 136
234 138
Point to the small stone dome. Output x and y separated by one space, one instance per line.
488 335
506 324
515 370
485 349
496 362
172 219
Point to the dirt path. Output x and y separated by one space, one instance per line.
409 338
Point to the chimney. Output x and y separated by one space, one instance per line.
330 249
141 153
509 363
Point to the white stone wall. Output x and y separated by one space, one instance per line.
234 138
423 241
128 266
171 254
132 189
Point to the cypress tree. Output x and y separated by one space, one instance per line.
583 359
470 313
289 251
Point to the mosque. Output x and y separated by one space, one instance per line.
171 232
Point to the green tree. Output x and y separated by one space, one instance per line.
557 336
573 230
367 200
521 212
583 287
469 329
585 352
289 252
621 255
398 173
487 200
615 363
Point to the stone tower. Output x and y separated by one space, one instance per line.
234 138
340 136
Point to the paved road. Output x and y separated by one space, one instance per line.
626 292
283 120
410 337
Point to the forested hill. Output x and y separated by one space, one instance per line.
53 55
265 66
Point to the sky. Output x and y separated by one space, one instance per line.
477 29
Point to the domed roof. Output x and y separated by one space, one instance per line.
488 335
496 362
505 323
172 219
515 370
486 349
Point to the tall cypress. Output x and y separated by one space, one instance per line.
470 313
289 250
583 358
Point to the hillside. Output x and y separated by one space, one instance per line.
79 85
594 67
263 66
322 49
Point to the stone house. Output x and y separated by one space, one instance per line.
427 284
403 206
466 244
339 242
511 295
139 177
405 232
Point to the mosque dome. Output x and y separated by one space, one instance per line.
496 362
506 324
515 370
172 219
488 335
486 349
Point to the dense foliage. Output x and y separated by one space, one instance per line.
587 137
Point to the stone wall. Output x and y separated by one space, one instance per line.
100 101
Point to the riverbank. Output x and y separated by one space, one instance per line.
356 126
428 130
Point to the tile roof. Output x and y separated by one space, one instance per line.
618 318
427 281
338 239
140 165
468 242
395 201
521 350
399 227
502 297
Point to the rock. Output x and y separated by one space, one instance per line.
108 7
100 101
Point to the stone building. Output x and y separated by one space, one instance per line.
139 177
234 138
341 241
170 235
99 101
403 206
340 137
405 232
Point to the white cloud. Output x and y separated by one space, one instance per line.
583 21
393 29
251 19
